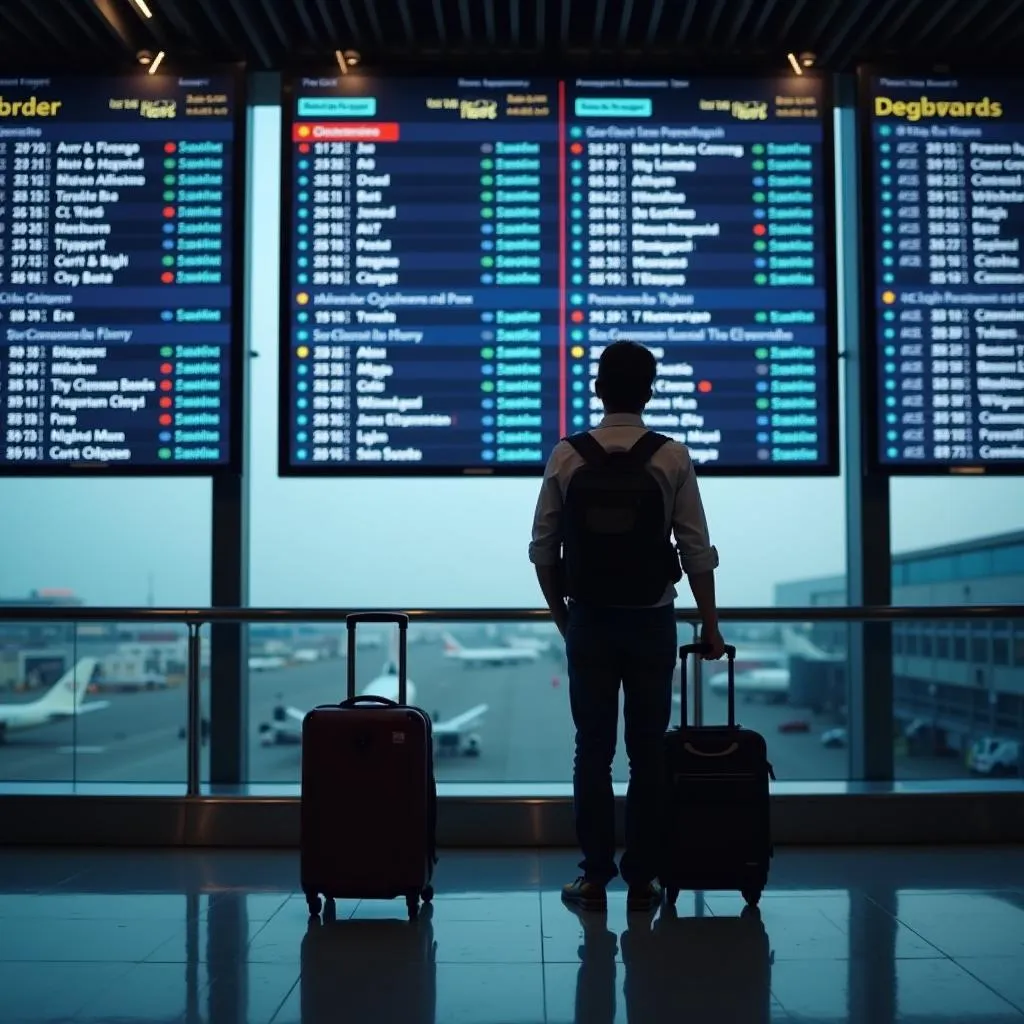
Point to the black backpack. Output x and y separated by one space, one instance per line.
617 549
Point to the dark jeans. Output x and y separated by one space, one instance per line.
636 647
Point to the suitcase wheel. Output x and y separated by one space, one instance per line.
428 893
671 895
314 904
752 896
412 904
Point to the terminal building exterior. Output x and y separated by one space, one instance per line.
955 684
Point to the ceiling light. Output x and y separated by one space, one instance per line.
157 61
352 57
143 8
794 63
342 63
808 60
144 57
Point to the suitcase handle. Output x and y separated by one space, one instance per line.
368 698
399 619
730 654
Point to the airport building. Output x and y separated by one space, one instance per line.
955 684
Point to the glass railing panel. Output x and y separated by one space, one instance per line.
93 702
958 700
499 696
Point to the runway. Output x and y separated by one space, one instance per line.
525 736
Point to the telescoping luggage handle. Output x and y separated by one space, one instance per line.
730 654
396 618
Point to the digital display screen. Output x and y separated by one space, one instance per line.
116 267
460 251
946 209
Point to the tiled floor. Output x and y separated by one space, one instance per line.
870 936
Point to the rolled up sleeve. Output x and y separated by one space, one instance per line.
546 545
689 524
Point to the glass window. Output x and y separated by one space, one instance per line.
1009 560
120 542
979 648
959 647
942 645
974 565
1000 651
927 645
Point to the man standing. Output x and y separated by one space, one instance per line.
602 545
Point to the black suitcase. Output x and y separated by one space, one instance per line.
718 829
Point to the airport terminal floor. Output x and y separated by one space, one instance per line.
865 935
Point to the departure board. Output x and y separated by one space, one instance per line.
117 291
460 251
699 226
946 214
423 287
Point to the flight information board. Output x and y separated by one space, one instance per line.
946 197
459 252
117 293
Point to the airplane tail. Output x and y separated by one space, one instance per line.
68 693
451 645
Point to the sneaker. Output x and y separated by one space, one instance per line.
585 895
643 898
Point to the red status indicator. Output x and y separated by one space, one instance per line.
170 147
576 316
345 131
704 386
166 403
759 229
576 148
166 419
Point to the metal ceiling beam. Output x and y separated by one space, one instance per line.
856 14
909 6
116 23
442 33
307 23
563 33
767 6
170 10
370 7
354 31
513 23
921 34
49 26
795 9
737 23
713 20
654 23
325 17
624 21
410 32
989 10
1009 10
214 18
489 23
466 22
249 28
599 13
275 23
684 25
819 30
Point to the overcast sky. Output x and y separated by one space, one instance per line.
411 543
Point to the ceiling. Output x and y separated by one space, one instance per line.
271 34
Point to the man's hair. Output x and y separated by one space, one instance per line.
626 375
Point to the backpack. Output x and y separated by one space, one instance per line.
617 548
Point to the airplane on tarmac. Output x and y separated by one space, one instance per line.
450 737
60 701
479 656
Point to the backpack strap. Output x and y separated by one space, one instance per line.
647 446
588 448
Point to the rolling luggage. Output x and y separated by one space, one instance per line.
718 830
369 801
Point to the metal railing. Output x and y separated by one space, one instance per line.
195 618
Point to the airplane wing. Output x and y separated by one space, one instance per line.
457 725
295 714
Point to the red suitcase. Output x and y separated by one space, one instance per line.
369 801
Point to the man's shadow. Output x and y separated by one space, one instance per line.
692 967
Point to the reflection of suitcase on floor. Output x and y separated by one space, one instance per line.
369 971
369 801
703 968
718 833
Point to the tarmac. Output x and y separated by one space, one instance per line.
525 736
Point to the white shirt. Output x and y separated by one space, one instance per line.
671 467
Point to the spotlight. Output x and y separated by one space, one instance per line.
157 61
144 57
794 64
